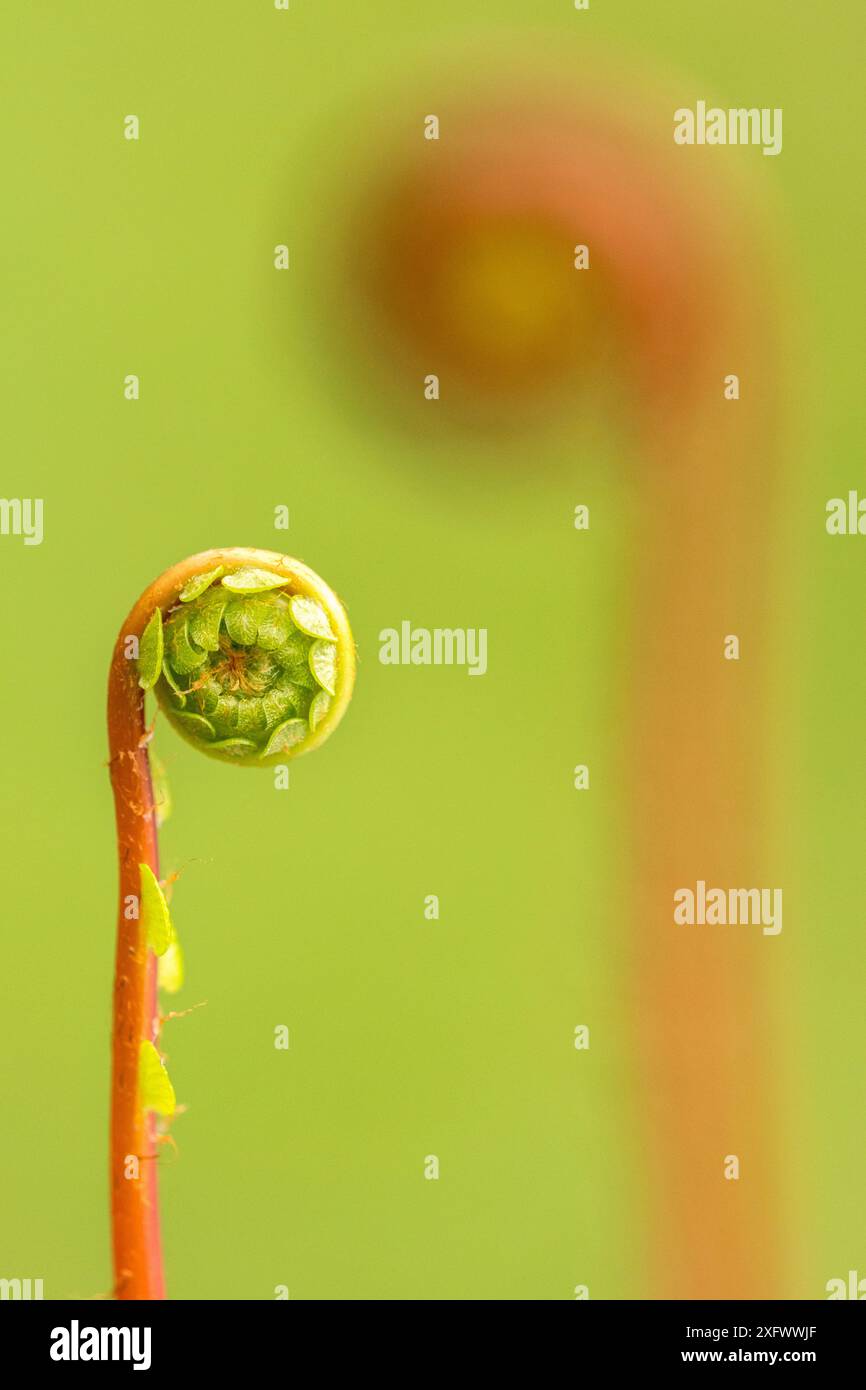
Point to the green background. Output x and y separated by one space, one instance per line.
305 908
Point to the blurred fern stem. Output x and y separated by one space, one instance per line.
251 657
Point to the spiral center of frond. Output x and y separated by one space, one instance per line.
248 669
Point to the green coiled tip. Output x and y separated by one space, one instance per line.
253 664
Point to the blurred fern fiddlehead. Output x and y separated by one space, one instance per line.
251 657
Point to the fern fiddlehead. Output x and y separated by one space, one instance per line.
251 657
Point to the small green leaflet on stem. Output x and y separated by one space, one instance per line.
155 1091
155 915
150 652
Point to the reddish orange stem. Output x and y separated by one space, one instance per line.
134 1199
138 1272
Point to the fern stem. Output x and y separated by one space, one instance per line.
138 1271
